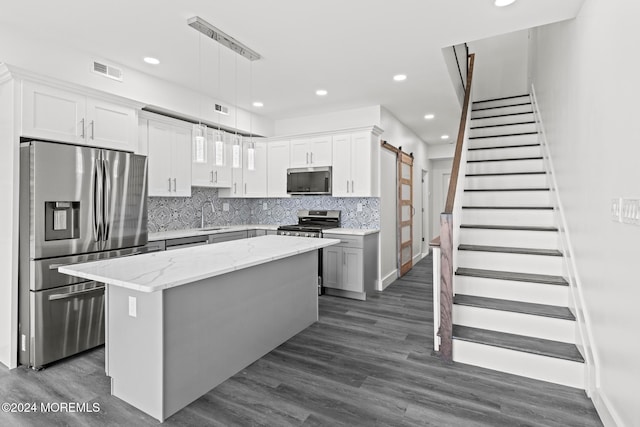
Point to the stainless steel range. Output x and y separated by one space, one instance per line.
311 223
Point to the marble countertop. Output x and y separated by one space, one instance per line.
352 231
174 234
162 270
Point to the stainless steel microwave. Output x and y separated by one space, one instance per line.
315 180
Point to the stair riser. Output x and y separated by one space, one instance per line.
537 293
515 323
501 102
519 263
534 218
506 166
510 238
503 130
507 198
528 365
506 181
502 119
504 153
501 111
500 141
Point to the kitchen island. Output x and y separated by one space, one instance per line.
178 323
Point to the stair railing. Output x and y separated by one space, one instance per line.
443 258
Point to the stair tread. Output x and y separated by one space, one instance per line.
498 147
506 173
501 98
513 276
509 189
529 122
502 115
543 310
510 207
509 227
501 106
507 159
533 345
506 134
510 250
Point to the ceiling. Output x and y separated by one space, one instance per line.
351 48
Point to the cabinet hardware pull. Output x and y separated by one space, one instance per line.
175 186
344 258
216 178
235 188
82 121
352 187
92 129
312 157
307 157
347 186
211 180
169 185
245 188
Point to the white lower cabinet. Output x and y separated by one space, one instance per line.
349 269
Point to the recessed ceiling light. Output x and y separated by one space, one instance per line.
444 137
321 92
429 116
503 3
150 60
258 104
400 77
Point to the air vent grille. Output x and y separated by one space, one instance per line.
222 109
107 70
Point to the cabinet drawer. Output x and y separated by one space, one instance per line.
346 241
226 237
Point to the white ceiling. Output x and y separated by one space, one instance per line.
351 48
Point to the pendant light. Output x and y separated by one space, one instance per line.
251 148
236 139
200 130
219 139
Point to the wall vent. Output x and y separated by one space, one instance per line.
107 70
222 109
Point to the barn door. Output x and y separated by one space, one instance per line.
405 211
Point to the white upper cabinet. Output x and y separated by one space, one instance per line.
60 115
212 162
355 165
278 153
313 151
236 189
254 169
169 151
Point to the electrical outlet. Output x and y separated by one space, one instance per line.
630 211
133 307
225 207
359 207
264 206
615 209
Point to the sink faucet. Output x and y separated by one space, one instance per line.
207 202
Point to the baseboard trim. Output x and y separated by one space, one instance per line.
389 279
605 409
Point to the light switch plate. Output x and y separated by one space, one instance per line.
133 307
225 207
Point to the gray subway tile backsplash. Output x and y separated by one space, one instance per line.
178 213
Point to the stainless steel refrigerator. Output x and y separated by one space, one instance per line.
77 204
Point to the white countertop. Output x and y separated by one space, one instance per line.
162 270
174 234
352 231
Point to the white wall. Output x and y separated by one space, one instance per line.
439 174
585 75
61 62
335 120
500 65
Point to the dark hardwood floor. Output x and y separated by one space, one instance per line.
363 364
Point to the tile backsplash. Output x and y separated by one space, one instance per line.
178 213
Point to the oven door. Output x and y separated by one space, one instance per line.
66 320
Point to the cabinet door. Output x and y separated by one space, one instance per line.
227 237
332 267
341 171
361 164
277 164
255 170
320 149
181 161
222 172
54 114
111 126
352 270
160 147
203 158
299 153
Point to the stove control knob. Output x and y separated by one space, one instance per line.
297 234
306 234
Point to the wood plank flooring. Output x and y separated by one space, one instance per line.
363 364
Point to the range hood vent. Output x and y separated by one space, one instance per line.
107 71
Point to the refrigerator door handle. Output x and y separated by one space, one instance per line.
97 201
106 197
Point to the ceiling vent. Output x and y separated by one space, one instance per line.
107 71
222 109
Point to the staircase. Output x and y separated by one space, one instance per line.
511 300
